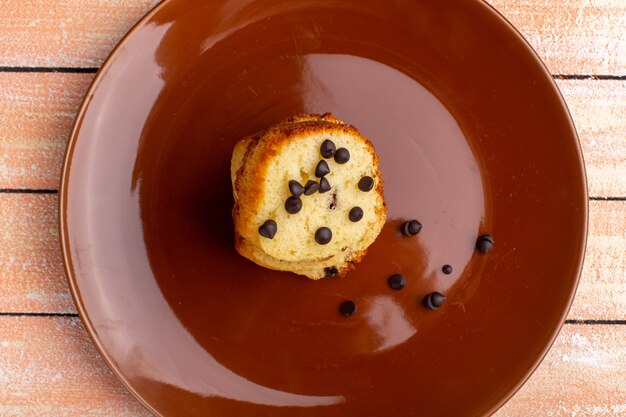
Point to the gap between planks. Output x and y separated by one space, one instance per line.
66 70
32 276
36 314
27 191
570 36
55 191
39 110
93 70
75 315
49 364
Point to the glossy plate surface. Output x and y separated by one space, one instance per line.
473 138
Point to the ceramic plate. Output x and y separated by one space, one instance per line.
473 138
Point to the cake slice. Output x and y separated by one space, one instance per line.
308 196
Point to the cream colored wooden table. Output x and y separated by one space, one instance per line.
49 52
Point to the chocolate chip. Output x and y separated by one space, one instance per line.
347 308
293 205
355 214
484 244
321 169
311 187
295 188
366 183
342 156
331 271
327 149
268 229
434 300
324 185
397 282
446 269
323 235
333 201
411 228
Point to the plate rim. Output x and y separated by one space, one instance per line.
73 137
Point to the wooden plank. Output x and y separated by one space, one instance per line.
572 36
32 277
37 111
64 33
601 291
48 366
582 375
598 109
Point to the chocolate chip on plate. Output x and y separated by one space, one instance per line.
411 228
484 244
434 300
397 282
347 308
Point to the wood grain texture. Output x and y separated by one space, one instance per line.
36 115
572 36
37 111
32 277
64 33
601 291
598 109
48 367
582 375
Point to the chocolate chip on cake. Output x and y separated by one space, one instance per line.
295 188
321 169
366 183
397 282
268 229
484 244
342 155
331 271
355 214
333 201
293 205
434 300
323 235
347 308
311 187
446 269
324 185
411 228
327 150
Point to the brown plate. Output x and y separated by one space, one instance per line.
473 137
